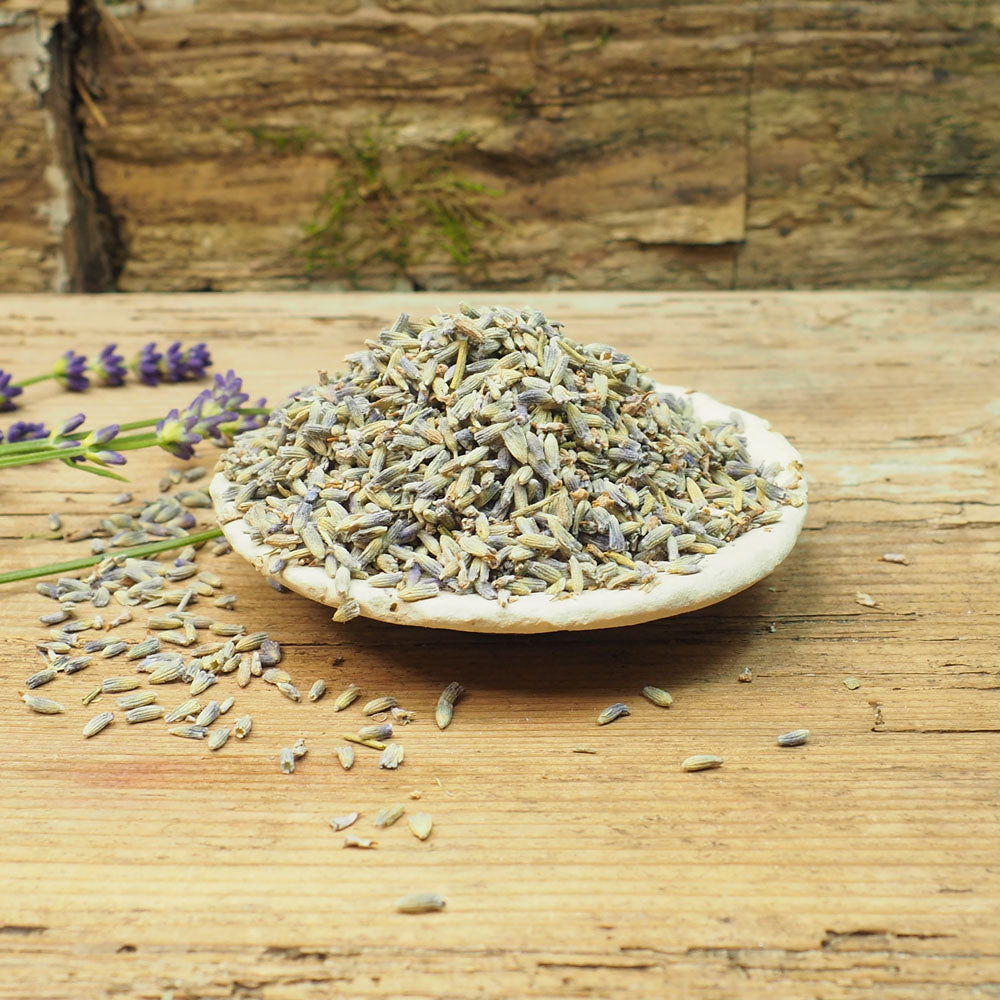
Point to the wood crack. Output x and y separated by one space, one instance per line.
93 242
747 138
933 732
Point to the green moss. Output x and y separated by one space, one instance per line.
382 207
521 103
386 208
604 36
291 140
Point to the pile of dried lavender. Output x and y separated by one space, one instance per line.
120 585
229 649
485 452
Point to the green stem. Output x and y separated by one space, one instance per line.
40 444
45 445
97 470
47 455
34 444
136 552
35 378
139 424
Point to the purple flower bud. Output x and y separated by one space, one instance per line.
8 392
185 520
59 441
69 372
197 359
172 367
22 430
108 367
207 413
228 391
214 412
68 426
176 434
176 365
101 436
107 457
146 365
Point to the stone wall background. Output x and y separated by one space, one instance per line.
179 145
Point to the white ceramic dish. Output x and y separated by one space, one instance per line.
739 565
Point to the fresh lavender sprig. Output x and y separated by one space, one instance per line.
216 413
60 437
172 366
204 416
176 365
136 552
150 367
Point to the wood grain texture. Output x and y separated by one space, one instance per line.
874 147
32 187
865 863
635 145
618 147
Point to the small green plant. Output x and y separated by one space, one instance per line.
291 140
384 208
604 36
521 103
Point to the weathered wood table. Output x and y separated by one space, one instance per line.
864 863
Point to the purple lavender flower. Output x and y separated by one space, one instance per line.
227 396
218 406
147 365
69 372
172 367
178 365
68 426
246 422
228 391
8 392
93 444
24 430
107 457
177 435
196 360
101 436
60 438
207 415
108 367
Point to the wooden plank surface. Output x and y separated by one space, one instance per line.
865 863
